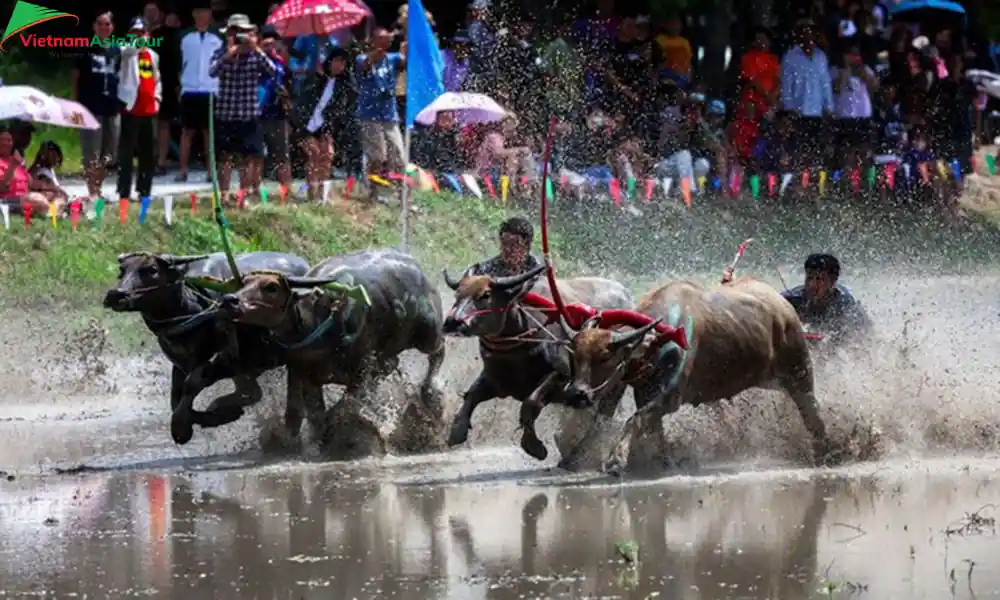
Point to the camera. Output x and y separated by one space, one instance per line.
242 37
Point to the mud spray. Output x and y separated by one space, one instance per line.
925 388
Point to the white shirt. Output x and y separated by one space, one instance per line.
317 117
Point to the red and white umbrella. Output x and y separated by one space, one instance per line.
317 17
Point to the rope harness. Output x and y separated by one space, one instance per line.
498 343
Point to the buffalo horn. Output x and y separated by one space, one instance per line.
309 282
504 283
624 338
177 261
447 279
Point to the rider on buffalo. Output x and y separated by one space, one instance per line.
826 306
515 255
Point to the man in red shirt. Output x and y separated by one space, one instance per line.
140 91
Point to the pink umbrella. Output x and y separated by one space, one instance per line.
317 17
75 115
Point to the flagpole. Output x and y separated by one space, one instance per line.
404 202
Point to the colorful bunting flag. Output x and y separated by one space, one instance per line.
168 210
6 215
504 188
75 207
122 210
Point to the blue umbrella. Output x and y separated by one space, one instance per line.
927 11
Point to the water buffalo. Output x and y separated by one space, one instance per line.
346 339
202 347
522 348
715 344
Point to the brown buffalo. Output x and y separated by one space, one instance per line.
740 335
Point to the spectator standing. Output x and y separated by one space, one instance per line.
239 66
94 80
439 147
380 136
325 113
165 27
275 103
564 70
674 53
854 84
198 84
140 90
484 43
456 62
807 92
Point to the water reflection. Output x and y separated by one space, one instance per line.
331 534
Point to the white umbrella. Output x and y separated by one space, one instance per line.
986 81
469 108
31 104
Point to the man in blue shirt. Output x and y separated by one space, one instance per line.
807 93
376 75
827 307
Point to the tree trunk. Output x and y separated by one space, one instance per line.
713 66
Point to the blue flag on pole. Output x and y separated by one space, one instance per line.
424 63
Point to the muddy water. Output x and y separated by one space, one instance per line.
220 518
501 529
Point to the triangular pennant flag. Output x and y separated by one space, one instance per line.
241 198
283 190
27 209
716 183
890 175
686 190
53 213
615 189
805 179
942 170
550 192
786 180
6 215
379 180
856 180
144 203
432 181
489 186
99 209
907 171
562 182
836 176
650 186
504 188
630 188
194 204
701 184
263 195
991 164
925 172
122 210
524 181
956 168
872 177
168 210
974 164
772 184
74 213
735 181
755 186
347 188
453 181
822 182
470 182
668 182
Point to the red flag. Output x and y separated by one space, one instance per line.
27 209
194 203
347 188
805 179
74 213
284 193
616 191
974 164
925 172
736 182
489 185
650 186
890 175
772 183
123 210
241 198
856 179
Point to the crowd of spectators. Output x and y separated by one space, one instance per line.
835 86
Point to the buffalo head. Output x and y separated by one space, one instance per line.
266 297
600 357
141 275
482 302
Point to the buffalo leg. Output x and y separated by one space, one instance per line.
480 391
599 423
352 435
430 391
229 408
312 400
184 417
652 405
797 381
177 377
531 409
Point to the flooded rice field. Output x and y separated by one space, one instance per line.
97 502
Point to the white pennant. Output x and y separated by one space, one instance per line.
906 170
168 210
6 215
470 182
326 192
667 184
786 179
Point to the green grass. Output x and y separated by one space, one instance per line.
53 81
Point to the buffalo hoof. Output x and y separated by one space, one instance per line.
182 427
614 467
459 433
219 416
828 455
534 446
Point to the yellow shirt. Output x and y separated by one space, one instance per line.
676 54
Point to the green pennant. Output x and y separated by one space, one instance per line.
871 176
630 188
99 210
549 191
755 186
263 195
991 164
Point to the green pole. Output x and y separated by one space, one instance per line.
220 216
